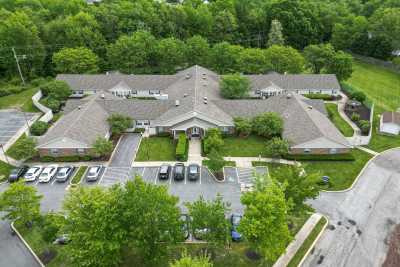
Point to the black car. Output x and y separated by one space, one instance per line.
164 171
193 172
16 173
179 171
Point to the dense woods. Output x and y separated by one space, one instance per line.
146 36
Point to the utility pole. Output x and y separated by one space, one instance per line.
19 68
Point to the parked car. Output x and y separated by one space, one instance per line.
33 173
185 227
179 171
64 173
48 173
235 221
164 171
194 172
93 173
16 173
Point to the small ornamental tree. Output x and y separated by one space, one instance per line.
268 124
56 89
39 128
188 261
234 86
52 104
119 123
355 117
277 147
213 140
102 147
25 148
20 202
243 126
215 163
208 220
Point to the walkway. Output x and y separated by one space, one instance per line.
125 151
194 155
246 162
362 218
367 150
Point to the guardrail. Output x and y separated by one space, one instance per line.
48 114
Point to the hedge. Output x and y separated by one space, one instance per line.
325 97
65 159
182 147
39 128
139 130
330 157
164 134
350 90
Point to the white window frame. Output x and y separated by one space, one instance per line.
333 151
307 151
54 151
80 151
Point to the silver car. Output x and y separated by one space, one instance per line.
33 173
93 173
64 173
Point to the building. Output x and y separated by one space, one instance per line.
390 123
190 102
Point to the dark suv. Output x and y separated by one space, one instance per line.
179 171
164 171
193 172
16 173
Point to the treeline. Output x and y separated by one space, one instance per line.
40 28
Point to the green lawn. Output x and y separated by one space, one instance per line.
79 174
341 173
252 146
22 100
156 149
339 122
4 171
381 85
381 142
11 152
307 243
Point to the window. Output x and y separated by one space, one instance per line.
134 92
154 92
333 151
160 129
225 129
54 151
307 151
80 151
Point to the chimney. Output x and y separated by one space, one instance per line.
310 107
177 103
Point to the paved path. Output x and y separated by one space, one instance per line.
246 162
194 154
362 218
367 150
125 151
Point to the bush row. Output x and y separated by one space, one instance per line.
332 157
182 147
66 158
325 97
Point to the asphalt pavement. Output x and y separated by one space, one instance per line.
361 219
125 150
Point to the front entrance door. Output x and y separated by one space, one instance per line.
195 131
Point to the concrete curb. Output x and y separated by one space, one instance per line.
315 241
27 245
360 173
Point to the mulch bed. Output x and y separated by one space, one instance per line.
363 111
47 256
393 254
252 255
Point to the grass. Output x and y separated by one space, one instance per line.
252 146
12 151
380 142
339 122
156 149
341 173
21 101
380 84
307 243
79 174
4 171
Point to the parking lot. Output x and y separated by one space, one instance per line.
11 121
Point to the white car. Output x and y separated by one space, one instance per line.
93 173
48 173
33 173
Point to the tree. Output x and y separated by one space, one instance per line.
133 54
20 202
102 146
319 56
51 225
264 224
119 123
253 61
225 26
234 86
170 54
216 163
224 57
347 34
275 36
284 59
341 65
385 22
359 96
297 185
39 128
187 261
277 147
152 218
268 124
197 51
210 215
25 148
52 104
56 89
94 246
242 126
213 140
76 60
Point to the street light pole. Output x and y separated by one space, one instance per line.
19 68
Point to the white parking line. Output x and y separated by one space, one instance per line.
237 175
54 180
201 170
155 180
144 168
185 175
170 176
101 178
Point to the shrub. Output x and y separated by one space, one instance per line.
364 126
51 224
359 96
355 117
52 104
181 147
119 123
325 97
164 134
139 130
75 158
396 61
242 126
213 140
277 147
268 124
56 89
39 128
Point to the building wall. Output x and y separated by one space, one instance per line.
63 152
318 151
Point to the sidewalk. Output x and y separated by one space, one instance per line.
367 150
246 162
194 155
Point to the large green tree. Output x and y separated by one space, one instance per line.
102 146
386 23
319 56
197 51
75 60
284 59
268 124
224 57
119 123
341 65
170 54
20 202
234 86
253 61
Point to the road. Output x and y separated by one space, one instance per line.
361 219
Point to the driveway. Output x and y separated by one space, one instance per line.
125 151
361 219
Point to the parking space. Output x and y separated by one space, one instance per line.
85 181
11 121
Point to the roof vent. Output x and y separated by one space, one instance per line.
285 73
102 96
205 98
289 96
204 78
205 101
185 95
310 107
188 76
79 107
177 103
